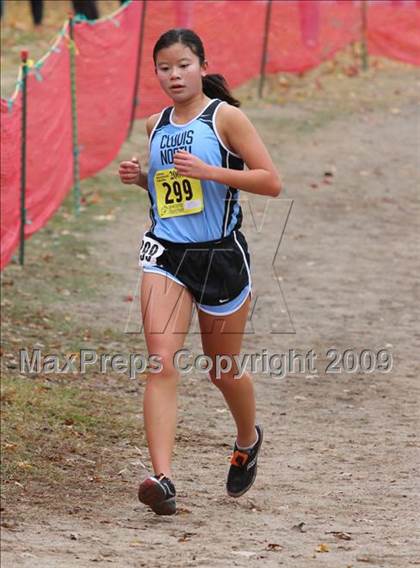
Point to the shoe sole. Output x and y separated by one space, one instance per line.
254 475
154 496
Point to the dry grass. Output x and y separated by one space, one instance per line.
55 424
18 32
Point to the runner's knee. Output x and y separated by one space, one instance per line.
166 368
221 379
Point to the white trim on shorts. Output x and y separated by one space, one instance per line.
245 261
235 309
157 270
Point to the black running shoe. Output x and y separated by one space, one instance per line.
243 469
158 492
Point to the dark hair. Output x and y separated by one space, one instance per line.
215 85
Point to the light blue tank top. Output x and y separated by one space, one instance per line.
221 213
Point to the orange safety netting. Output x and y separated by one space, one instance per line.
48 150
105 80
302 35
106 58
306 34
10 179
394 31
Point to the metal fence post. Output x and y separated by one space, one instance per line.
265 48
365 54
136 99
75 136
24 59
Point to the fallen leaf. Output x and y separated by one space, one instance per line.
351 71
299 527
322 548
182 511
340 534
93 199
274 546
9 525
186 536
24 465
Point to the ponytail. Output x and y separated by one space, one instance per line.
216 87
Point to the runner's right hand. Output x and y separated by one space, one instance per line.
129 171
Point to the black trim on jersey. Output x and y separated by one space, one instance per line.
151 212
229 160
163 121
207 115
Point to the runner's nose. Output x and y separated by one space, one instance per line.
174 73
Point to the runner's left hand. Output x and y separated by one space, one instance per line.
190 166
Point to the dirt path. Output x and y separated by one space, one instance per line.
337 483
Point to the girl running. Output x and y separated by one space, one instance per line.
194 251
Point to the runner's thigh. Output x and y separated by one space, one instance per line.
223 335
166 311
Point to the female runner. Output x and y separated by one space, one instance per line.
194 251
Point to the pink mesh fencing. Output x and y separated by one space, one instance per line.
302 35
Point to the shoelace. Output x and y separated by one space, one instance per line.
166 483
239 458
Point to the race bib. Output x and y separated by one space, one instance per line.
150 251
176 194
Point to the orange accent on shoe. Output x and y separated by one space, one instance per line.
241 455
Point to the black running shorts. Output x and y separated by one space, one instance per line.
215 272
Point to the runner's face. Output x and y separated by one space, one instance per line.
179 72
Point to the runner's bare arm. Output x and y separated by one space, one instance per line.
150 124
241 136
130 171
